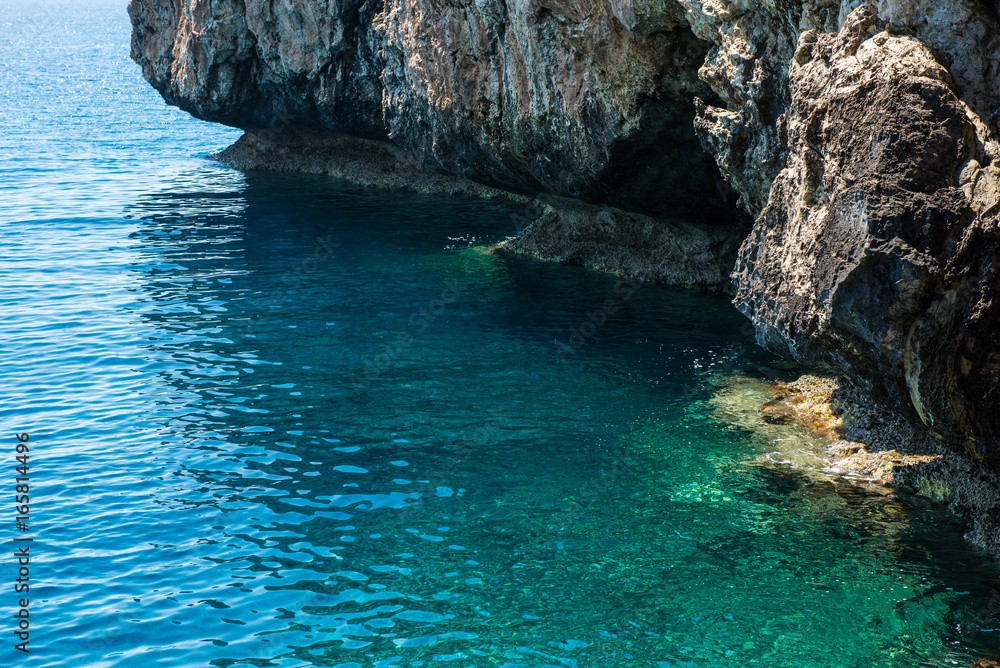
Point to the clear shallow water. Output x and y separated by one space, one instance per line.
254 449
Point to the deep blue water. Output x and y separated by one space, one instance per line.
283 421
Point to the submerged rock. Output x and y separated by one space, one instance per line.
862 442
986 663
637 246
875 253
641 247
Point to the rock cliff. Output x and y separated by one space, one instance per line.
875 251
859 136
579 98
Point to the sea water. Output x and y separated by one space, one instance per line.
285 421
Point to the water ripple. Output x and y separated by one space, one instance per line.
242 455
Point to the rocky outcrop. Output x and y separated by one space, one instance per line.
652 250
860 135
748 69
591 99
875 252
655 250
754 42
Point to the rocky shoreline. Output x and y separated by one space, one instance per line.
839 159
861 438
364 162
636 246
855 435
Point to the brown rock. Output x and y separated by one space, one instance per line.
985 663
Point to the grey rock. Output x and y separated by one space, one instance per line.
591 99
639 247
860 135
875 252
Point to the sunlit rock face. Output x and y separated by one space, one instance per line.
876 251
591 99
860 136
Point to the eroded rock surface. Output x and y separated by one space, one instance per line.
634 245
875 252
582 98
753 45
860 134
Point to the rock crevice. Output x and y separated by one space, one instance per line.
874 254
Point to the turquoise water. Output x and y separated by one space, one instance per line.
281 421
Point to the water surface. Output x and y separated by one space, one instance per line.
283 421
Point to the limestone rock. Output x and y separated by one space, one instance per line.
591 99
861 135
636 246
875 253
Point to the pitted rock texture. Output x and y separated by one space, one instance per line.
876 251
633 245
590 99
753 44
748 69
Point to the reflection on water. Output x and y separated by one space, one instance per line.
481 499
